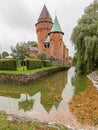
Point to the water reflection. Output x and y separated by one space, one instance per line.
79 83
50 89
26 105
68 91
46 100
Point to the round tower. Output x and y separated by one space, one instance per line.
43 27
56 40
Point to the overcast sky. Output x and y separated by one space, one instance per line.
18 18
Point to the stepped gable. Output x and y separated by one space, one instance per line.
44 15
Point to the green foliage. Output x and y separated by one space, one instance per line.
26 105
5 54
8 64
74 60
34 63
70 58
0 56
33 56
21 51
85 39
41 56
20 70
3 118
52 58
47 63
80 83
32 43
24 125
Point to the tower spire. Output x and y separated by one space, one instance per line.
55 14
44 15
56 26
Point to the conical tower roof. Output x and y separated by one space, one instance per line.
56 26
44 15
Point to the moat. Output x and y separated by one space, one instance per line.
46 100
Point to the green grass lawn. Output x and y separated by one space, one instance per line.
21 71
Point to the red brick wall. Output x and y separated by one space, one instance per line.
56 45
33 52
42 29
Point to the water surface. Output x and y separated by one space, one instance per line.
46 100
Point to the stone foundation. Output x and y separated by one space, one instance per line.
27 78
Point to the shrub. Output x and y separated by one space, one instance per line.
51 58
47 63
41 56
8 64
34 63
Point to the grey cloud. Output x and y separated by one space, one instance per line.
16 14
18 18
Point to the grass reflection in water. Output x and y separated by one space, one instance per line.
50 88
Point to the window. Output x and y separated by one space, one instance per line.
60 43
52 45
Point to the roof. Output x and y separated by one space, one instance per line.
47 40
45 14
56 26
33 48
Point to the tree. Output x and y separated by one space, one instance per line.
41 56
0 56
32 43
85 39
20 52
74 60
26 105
52 58
5 54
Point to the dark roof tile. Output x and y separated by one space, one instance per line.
45 14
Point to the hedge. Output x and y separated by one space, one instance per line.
34 63
8 64
47 63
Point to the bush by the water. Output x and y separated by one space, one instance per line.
8 64
47 63
34 63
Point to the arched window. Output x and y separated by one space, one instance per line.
52 44
60 43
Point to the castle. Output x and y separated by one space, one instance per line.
50 36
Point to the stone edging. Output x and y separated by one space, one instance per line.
27 78
94 78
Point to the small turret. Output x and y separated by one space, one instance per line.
56 38
56 27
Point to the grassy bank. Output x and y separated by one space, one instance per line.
26 125
21 71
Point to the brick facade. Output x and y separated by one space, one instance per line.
50 36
